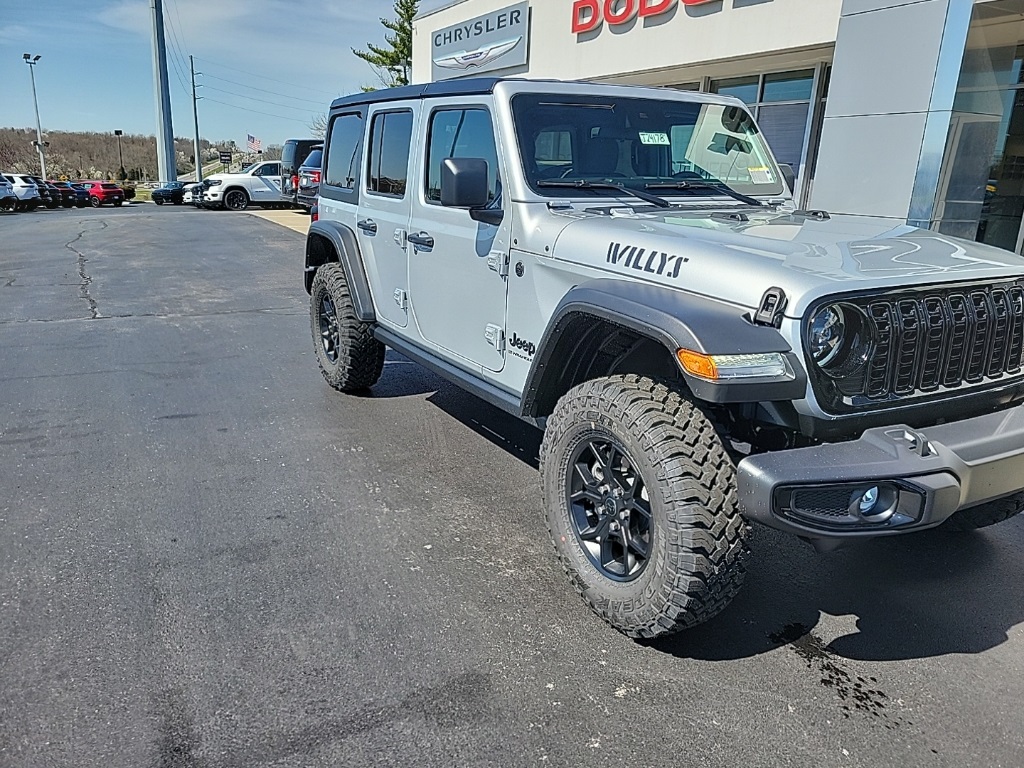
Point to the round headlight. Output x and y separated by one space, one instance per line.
826 334
840 339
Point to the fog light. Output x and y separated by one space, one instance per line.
868 500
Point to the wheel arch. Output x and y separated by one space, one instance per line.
329 241
605 327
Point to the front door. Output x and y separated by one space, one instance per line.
384 208
458 267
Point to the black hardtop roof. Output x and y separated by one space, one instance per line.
466 87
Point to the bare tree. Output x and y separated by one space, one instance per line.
318 128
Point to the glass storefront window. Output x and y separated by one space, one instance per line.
788 86
743 88
981 185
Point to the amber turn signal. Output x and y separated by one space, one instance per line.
697 364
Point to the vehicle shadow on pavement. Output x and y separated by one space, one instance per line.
404 378
917 596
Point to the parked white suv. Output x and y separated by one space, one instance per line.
8 200
258 183
25 190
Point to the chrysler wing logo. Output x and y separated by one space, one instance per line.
478 58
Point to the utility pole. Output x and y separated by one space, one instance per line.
195 115
39 130
165 154
120 157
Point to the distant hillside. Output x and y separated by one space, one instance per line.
93 155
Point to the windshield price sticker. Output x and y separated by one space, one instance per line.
658 139
761 175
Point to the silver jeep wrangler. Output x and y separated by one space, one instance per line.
624 268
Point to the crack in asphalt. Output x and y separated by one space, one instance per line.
83 291
284 311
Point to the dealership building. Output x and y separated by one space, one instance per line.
906 110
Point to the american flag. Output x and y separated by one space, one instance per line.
254 144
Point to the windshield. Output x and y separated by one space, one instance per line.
637 142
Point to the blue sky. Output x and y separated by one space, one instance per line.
96 70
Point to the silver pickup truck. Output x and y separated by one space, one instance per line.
624 268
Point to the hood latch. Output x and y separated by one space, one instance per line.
771 308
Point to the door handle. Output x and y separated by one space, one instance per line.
369 226
421 239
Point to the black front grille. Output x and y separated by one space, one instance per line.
937 338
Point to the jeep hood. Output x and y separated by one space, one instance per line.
736 259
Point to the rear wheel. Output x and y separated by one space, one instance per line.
986 514
236 200
641 505
350 357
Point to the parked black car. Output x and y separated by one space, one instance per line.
309 178
293 156
171 192
68 194
46 192
81 195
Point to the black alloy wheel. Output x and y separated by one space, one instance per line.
330 336
610 509
236 200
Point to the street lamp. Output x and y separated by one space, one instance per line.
120 157
39 130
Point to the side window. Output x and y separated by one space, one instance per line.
346 136
390 140
461 133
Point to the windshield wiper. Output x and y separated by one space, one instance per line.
719 186
622 188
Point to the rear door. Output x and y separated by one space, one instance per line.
385 206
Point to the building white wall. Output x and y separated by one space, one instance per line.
738 31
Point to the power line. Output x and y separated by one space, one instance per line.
262 77
252 98
261 90
254 111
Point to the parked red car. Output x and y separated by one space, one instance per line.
101 192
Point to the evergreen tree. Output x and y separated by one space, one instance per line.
392 63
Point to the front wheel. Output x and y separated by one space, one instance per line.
236 200
118 203
641 505
95 202
984 515
158 200
350 358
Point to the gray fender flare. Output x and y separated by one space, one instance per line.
677 320
346 246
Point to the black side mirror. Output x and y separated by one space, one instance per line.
464 182
788 176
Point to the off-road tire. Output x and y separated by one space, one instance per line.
984 515
358 358
698 544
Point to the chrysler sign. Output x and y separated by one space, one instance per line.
587 15
496 40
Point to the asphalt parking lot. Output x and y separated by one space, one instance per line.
209 558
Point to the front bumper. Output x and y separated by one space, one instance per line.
921 476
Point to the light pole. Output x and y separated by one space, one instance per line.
120 157
39 130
